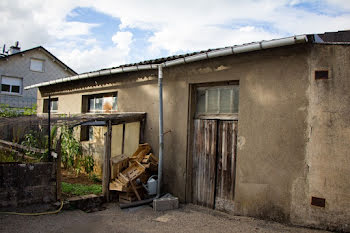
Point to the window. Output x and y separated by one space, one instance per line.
36 65
86 133
11 85
321 74
101 103
217 100
53 106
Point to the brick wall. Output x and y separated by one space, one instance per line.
23 184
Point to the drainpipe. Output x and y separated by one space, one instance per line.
161 144
49 130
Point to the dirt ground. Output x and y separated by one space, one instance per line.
188 218
72 178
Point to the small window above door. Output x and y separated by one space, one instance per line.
219 100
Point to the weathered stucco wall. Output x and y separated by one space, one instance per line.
275 150
327 163
272 102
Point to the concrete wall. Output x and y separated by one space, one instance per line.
273 145
19 66
327 162
23 184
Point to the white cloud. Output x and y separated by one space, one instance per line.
174 26
123 40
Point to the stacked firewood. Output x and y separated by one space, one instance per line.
128 173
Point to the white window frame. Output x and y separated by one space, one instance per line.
11 93
92 109
37 59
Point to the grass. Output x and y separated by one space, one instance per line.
80 189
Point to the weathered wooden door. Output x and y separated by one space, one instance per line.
214 156
226 165
204 162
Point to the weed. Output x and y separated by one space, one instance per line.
80 189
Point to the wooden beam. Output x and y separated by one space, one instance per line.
21 147
106 163
58 169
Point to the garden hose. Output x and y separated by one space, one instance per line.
35 214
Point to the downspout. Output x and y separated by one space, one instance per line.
49 130
161 144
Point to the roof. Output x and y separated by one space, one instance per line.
40 48
206 54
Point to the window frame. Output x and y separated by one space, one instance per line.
38 59
218 114
46 108
10 92
88 99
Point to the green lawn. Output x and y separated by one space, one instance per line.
80 189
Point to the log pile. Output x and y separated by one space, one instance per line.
127 173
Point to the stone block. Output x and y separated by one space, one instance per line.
165 203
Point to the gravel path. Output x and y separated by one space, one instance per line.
188 218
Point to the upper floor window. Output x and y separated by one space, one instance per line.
217 100
11 85
36 65
100 103
53 105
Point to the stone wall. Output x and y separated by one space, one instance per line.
23 184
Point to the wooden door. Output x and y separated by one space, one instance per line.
204 162
214 156
226 165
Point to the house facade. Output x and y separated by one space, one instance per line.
262 131
22 68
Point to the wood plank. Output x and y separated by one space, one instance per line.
58 169
106 163
226 164
204 162
135 190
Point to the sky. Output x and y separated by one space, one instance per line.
88 35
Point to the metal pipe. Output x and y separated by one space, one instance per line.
161 144
135 203
49 130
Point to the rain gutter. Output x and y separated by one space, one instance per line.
198 57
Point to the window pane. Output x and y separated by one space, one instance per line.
36 65
114 103
54 105
213 101
107 104
235 99
5 87
226 100
98 104
91 105
91 133
15 89
201 101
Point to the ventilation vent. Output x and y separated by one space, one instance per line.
317 201
321 74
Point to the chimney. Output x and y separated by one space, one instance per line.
14 49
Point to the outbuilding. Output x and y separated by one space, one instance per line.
259 129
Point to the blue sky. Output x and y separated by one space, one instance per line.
89 35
